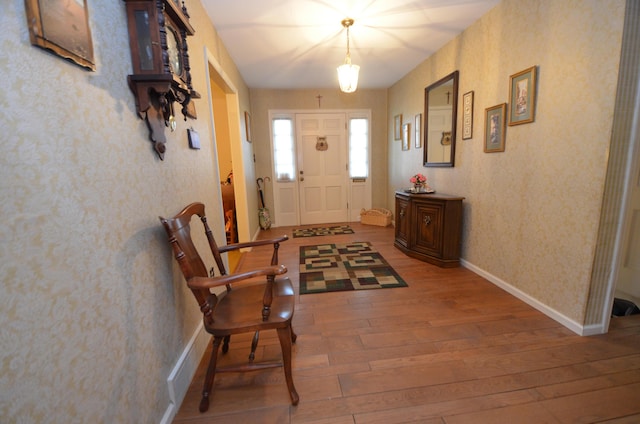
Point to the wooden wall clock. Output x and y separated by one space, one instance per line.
158 31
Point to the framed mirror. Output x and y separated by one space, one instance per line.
440 107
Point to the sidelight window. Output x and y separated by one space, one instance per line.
283 149
358 147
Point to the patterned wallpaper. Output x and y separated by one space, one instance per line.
531 212
94 313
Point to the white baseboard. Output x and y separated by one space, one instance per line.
550 312
184 370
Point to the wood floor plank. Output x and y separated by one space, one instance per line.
595 406
432 411
450 348
629 419
388 379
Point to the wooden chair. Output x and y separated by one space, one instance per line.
244 308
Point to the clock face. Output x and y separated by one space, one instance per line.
173 48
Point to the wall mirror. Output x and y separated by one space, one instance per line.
440 107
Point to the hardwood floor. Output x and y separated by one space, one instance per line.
450 348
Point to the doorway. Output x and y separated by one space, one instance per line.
321 166
228 157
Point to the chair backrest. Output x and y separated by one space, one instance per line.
178 229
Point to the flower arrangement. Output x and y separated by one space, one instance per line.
418 180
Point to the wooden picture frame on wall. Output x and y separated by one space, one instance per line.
467 115
62 27
522 96
397 127
247 125
417 127
406 136
495 128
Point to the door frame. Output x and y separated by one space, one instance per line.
623 158
215 74
359 193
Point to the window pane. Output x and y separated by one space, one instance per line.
358 148
283 149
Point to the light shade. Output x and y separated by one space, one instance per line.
348 77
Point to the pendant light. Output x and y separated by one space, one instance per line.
348 73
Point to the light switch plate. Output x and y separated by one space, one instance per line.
194 139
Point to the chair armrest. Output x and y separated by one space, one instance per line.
210 282
236 246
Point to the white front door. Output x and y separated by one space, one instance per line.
323 178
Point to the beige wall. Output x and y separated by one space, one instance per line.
262 100
94 313
531 212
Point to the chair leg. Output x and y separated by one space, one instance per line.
254 346
293 335
284 334
211 373
225 345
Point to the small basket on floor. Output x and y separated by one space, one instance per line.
375 216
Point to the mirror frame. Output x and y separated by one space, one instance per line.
454 120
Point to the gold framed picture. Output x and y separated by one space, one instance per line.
417 126
467 115
397 127
247 125
522 95
495 128
406 136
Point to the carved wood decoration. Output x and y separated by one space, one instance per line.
158 31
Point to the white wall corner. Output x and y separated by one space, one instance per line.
551 313
186 366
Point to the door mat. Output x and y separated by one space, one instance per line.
322 231
343 267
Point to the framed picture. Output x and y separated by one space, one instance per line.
495 128
467 115
406 136
247 125
62 27
417 126
397 127
522 97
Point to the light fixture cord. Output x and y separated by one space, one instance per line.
348 52
347 59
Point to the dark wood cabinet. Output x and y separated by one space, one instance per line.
429 227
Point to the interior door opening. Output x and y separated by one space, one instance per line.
223 135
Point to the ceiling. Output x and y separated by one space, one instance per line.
292 44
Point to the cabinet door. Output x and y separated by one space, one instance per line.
428 221
402 221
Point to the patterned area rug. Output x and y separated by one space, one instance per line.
322 231
346 266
